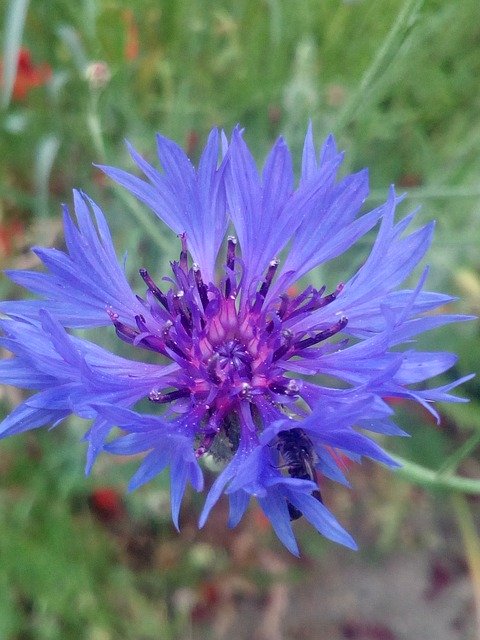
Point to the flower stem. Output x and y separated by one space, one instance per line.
452 462
431 479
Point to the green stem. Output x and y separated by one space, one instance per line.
452 462
430 479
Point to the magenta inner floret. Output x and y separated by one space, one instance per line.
227 351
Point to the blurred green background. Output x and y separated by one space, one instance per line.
399 85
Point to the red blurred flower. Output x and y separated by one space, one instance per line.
107 504
29 75
10 234
209 597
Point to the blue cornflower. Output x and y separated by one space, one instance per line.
272 382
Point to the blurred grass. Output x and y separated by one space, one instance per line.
397 82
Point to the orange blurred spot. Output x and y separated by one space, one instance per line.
132 45
191 142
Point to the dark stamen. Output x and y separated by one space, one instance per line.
162 398
260 295
332 296
272 268
176 349
281 351
212 364
140 320
283 305
159 295
182 310
201 286
316 300
123 331
183 253
231 246
322 335
206 443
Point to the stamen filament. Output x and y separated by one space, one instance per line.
159 295
201 286
162 398
322 335
183 253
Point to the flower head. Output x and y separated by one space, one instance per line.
240 361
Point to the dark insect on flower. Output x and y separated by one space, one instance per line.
239 352
298 455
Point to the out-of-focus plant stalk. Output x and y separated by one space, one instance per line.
471 543
384 56
145 219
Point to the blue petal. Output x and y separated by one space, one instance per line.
132 443
321 518
80 286
95 437
32 416
188 202
238 504
19 374
327 228
275 508
151 466
216 491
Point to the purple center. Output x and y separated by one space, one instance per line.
228 348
